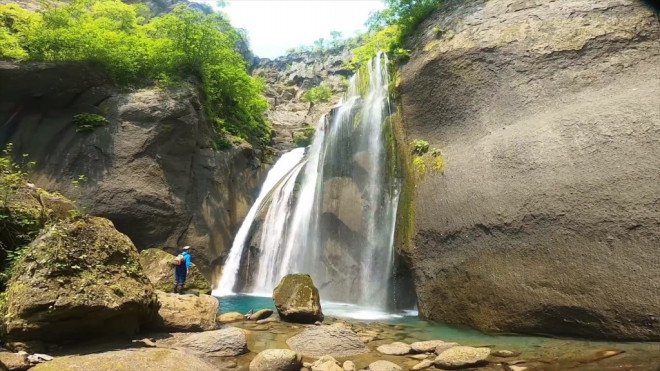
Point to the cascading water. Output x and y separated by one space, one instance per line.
334 216
282 168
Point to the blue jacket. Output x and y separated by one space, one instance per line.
186 258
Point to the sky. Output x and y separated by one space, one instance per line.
277 25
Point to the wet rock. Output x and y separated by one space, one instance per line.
442 347
343 199
185 312
422 365
230 317
504 353
39 358
462 356
395 349
383 366
419 356
334 340
260 314
602 354
226 342
14 361
158 267
348 366
80 279
297 299
426 346
516 368
267 320
276 360
326 363
129 359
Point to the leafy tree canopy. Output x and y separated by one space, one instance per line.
131 47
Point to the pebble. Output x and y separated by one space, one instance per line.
504 353
348 366
422 365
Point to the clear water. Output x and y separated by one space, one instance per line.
542 353
244 303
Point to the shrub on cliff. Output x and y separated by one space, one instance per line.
131 47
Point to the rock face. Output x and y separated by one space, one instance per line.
159 269
546 216
152 169
287 79
297 299
147 359
185 312
335 341
80 279
276 360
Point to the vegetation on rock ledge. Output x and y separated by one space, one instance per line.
132 48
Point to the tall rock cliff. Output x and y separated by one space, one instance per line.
546 217
152 169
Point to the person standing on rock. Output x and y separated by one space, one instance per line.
181 268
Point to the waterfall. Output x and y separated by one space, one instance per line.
282 167
332 215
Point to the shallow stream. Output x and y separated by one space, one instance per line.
535 352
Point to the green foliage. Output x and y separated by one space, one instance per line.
117 290
131 48
389 27
419 147
304 138
12 174
18 224
320 93
385 40
87 122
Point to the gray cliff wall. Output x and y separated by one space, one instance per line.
152 170
546 218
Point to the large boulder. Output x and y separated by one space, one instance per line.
276 360
78 280
185 313
226 342
154 170
144 359
335 341
159 269
545 219
297 299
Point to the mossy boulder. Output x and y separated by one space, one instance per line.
24 211
297 299
158 267
79 279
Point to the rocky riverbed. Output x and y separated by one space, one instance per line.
236 345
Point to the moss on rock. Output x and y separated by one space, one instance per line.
158 267
79 279
297 299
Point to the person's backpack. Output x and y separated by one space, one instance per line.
178 260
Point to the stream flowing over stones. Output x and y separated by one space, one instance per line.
330 213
